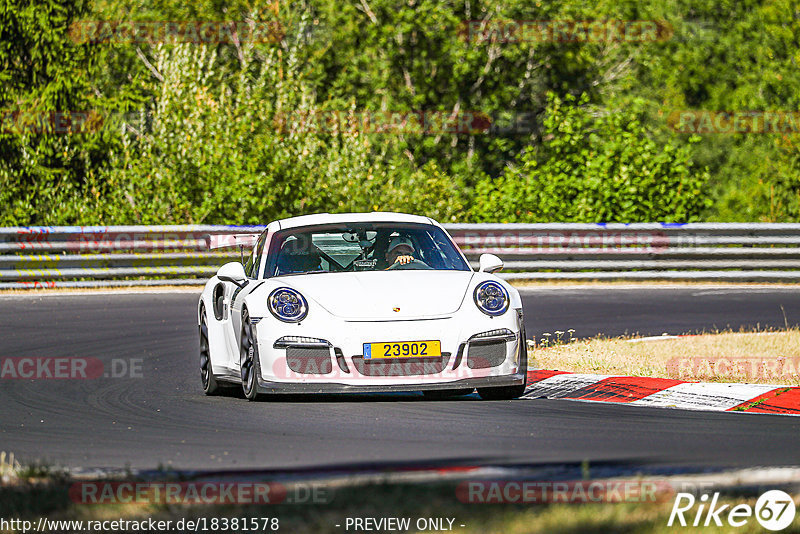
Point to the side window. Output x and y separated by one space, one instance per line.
258 252
248 265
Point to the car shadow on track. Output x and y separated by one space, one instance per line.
413 396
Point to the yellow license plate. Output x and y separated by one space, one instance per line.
403 349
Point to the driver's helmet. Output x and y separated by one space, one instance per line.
398 241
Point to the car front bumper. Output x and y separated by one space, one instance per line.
341 367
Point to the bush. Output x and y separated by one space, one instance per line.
252 145
594 166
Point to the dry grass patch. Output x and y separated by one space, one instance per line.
431 500
752 357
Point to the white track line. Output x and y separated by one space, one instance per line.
705 396
560 385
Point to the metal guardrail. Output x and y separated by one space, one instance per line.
101 256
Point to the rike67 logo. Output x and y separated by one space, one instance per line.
774 510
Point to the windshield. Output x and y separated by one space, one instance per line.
363 247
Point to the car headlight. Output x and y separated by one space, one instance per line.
288 305
492 298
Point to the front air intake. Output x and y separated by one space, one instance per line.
485 355
309 360
401 366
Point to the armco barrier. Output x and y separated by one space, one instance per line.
66 256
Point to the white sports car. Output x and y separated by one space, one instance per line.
360 302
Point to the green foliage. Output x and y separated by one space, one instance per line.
427 191
212 147
41 71
215 132
250 146
595 167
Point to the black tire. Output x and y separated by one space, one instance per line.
207 379
447 393
510 392
248 359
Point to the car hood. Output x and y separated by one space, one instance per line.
385 295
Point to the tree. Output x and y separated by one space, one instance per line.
43 85
595 165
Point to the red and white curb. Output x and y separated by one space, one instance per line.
664 392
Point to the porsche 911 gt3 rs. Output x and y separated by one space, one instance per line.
364 302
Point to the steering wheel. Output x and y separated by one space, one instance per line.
412 265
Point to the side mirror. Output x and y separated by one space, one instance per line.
232 272
489 263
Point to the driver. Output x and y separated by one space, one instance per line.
400 251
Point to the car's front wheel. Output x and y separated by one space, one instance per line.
248 359
510 392
210 386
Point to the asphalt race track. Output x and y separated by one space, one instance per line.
654 311
162 417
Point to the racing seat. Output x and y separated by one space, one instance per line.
299 261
